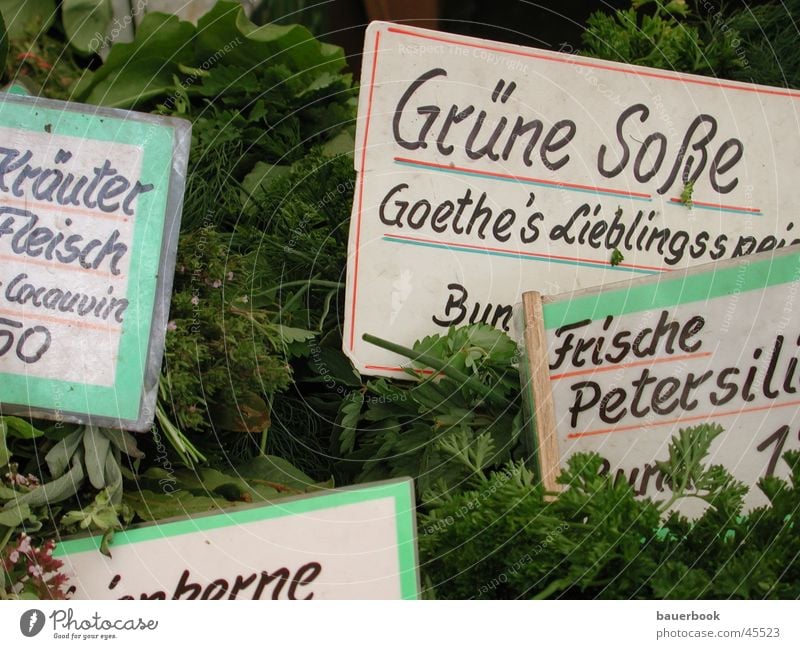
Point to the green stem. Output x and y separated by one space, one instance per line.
180 443
316 282
434 363
6 537
265 433
558 584
293 300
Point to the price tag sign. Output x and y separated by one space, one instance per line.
90 202
620 369
486 170
355 543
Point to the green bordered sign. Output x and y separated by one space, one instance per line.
90 202
620 369
357 543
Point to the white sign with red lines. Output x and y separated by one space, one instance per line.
632 363
487 169
90 204
66 226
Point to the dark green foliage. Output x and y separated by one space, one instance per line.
303 210
3 43
248 128
662 35
769 43
223 355
502 539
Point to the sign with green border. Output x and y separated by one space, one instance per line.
620 369
90 202
354 543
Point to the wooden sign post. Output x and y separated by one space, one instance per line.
356 543
487 169
90 203
619 369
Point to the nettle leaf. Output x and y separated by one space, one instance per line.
226 31
143 69
228 80
27 18
349 413
15 515
84 20
19 428
289 335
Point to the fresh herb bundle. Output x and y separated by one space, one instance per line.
503 538
465 417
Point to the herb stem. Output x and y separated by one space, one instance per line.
434 363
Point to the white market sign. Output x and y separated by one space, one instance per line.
619 369
90 202
487 169
357 543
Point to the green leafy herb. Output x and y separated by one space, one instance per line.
686 193
447 425
661 35
502 538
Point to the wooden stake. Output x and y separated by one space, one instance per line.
541 395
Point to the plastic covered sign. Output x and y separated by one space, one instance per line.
90 203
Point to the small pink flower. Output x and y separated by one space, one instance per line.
216 283
171 326
35 570
13 556
195 300
24 543
230 275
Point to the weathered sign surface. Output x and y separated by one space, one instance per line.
90 204
620 369
487 169
355 543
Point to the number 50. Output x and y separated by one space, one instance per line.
23 345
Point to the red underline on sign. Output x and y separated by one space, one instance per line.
64 321
717 207
59 266
450 168
740 411
599 66
61 208
503 252
609 368
361 190
387 368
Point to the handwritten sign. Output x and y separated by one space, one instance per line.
357 543
486 169
90 204
620 369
